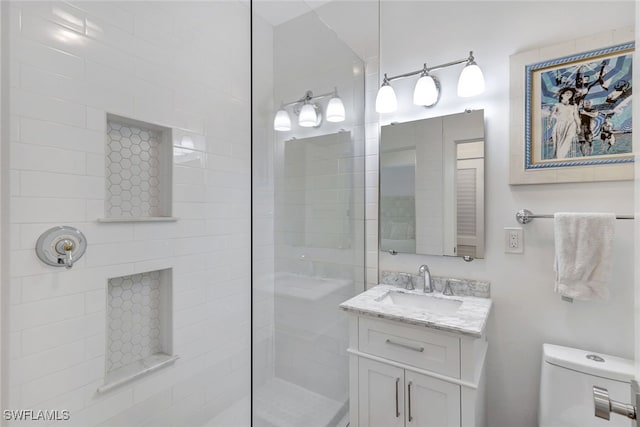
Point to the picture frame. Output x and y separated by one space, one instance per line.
571 111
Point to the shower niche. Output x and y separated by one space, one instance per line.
138 171
139 326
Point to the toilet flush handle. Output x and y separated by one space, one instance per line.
604 405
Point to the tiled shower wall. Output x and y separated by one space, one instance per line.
176 64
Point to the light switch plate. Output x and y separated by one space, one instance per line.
513 240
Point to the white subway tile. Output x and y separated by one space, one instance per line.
15 290
61 136
61 382
57 284
14 182
72 401
152 265
95 165
38 158
44 57
108 12
29 104
95 209
38 29
28 234
52 85
120 253
155 231
97 233
40 313
140 412
147 387
97 120
25 262
95 301
190 210
116 101
46 184
58 12
112 403
157 29
31 367
14 400
95 346
193 245
189 316
14 74
15 345
25 210
189 299
51 335
190 193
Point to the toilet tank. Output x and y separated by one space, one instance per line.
566 387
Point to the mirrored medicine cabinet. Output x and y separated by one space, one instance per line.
432 186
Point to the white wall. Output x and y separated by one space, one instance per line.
178 64
526 312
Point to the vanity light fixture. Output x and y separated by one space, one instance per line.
309 112
282 122
427 89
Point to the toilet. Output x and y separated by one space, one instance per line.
566 386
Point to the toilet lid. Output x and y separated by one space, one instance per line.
611 367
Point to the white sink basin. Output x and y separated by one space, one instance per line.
426 302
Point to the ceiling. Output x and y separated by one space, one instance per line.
355 22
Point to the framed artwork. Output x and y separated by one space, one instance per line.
577 114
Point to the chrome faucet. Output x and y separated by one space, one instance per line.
427 284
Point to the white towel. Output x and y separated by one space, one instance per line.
583 254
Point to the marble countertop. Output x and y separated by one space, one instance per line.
470 319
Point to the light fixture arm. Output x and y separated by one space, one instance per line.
425 69
308 97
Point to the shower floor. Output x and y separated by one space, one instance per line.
280 403
283 404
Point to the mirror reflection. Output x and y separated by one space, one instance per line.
432 186
318 196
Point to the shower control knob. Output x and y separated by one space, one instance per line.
61 246
604 406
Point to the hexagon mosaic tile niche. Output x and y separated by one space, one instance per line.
138 169
138 319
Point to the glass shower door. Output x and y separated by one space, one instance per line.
309 199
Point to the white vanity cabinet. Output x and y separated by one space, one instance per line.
408 375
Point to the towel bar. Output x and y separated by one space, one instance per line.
525 216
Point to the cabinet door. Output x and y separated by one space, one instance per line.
380 394
431 402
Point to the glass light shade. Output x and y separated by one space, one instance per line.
471 81
386 101
282 122
308 117
426 92
335 110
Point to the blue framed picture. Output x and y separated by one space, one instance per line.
578 109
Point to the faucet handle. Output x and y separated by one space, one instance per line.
424 268
447 289
407 281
